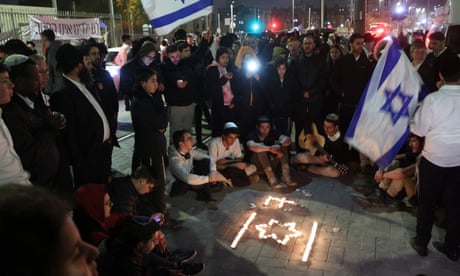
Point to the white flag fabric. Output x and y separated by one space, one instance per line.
380 125
166 15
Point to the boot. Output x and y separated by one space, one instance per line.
271 177
286 177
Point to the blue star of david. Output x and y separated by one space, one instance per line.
387 107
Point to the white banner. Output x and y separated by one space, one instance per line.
65 29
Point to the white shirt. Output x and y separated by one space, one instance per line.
438 120
11 170
217 151
96 106
28 101
182 167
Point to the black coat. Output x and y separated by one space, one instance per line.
128 75
310 74
150 120
282 95
83 135
34 139
219 114
428 75
109 99
186 71
350 77
249 106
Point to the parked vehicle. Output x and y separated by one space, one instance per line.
112 66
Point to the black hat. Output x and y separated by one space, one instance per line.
227 40
68 57
449 65
146 48
263 119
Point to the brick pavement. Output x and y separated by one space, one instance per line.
363 243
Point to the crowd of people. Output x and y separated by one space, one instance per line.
59 120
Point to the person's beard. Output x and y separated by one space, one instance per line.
85 76
96 63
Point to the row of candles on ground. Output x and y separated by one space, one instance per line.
264 233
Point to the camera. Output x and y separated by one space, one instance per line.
252 66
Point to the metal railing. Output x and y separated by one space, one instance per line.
14 22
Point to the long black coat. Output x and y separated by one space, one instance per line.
149 119
83 135
109 99
219 114
251 101
34 139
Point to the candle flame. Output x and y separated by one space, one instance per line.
306 253
242 230
263 229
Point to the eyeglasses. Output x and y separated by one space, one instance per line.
108 203
142 220
6 81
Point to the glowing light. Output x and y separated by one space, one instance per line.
242 230
281 201
306 253
264 232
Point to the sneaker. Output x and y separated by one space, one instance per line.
191 268
182 256
254 178
276 185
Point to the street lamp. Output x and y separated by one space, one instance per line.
292 19
231 17
112 19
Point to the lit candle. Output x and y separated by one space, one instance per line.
242 230
306 253
267 201
262 228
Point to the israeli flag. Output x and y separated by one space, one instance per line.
380 125
166 15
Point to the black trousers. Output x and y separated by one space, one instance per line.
238 177
200 109
96 167
436 185
200 167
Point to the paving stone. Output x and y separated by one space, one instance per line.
367 243
335 255
325 266
272 262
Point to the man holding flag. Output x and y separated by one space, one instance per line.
385 107
166 15
438 120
